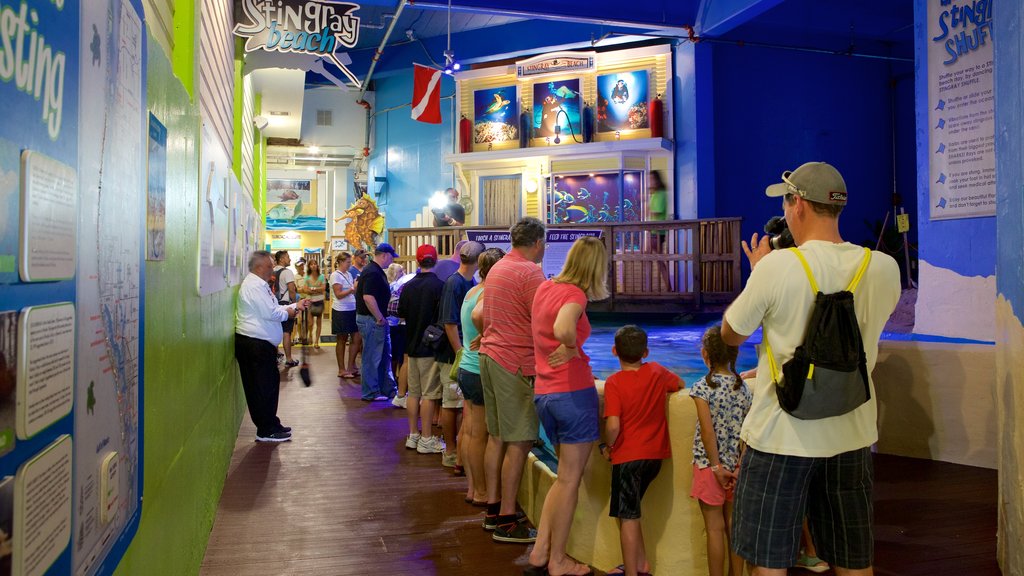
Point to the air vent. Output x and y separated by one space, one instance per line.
324 118
279 113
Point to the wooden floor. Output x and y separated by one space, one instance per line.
346 498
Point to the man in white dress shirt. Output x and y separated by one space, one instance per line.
258 319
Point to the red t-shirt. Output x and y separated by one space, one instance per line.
508 301
575 374
638 398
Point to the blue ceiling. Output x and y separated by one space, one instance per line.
486 30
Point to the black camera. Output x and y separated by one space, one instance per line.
779 235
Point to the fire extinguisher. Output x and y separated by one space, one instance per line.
657 120
525 129
588 123
465 135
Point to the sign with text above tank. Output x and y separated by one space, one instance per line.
315 27
556 63
961 110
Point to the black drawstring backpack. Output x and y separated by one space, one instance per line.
828 374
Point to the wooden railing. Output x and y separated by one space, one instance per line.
693 263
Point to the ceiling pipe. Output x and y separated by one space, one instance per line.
380 50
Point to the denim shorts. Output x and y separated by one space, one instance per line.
569 417
630 481
773 493
472 388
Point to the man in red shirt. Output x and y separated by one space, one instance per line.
507 370
636 428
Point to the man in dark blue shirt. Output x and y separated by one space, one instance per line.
450 316
372 295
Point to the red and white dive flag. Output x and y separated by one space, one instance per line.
426 94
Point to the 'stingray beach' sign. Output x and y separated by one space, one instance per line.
316 27
555 63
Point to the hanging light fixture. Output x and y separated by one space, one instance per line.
450 64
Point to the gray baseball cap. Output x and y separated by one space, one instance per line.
814 181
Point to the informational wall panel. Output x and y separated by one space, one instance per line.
961 107
110 274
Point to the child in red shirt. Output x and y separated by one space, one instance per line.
636 428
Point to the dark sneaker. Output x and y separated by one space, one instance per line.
291 363
275 437
516 532
490 522
287 429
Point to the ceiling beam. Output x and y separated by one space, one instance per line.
651 13
717 17
514 40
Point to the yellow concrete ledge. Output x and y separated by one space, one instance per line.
935 401
672 524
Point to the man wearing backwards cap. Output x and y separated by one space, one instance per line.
372 295
418 306
826 462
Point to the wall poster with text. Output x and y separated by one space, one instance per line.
961 110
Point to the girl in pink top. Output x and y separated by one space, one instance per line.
566 398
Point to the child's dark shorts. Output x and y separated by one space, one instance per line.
629 483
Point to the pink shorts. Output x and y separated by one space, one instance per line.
707 489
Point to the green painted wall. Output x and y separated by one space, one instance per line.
193 397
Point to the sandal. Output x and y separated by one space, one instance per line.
576 570
812 563
621 569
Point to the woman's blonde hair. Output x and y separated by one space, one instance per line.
342 257
394 272
586 267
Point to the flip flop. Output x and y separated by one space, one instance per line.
531 570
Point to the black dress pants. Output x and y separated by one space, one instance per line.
261 381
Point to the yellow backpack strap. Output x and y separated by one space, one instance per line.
807 270
772 367
860 271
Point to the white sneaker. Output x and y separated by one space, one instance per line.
448 459
398 402
411 441
429 445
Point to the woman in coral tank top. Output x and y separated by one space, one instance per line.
566 398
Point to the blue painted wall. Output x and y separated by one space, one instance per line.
408 153
1009 155
964 246
776 109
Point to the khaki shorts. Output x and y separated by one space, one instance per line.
451 394
508 403
424 380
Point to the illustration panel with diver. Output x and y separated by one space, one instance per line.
556 110
622 101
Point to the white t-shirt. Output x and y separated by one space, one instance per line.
348 303
778 296
284 276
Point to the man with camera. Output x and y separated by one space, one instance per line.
452 214
819 467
